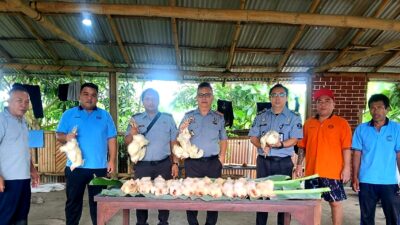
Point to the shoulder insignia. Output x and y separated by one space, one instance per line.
295 113
218 113
137 114
191 111
262 111
166 114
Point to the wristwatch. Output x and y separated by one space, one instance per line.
175 163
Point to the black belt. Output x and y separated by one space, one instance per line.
209 158
151 163
274 158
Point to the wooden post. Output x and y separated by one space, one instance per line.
113 87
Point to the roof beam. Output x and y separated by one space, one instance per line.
175 37
354 57
275 51
387 60
199 74
117 36
260 16
359 33
28 24
235 38
296 38
35 15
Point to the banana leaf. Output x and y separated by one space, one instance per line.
102 181
299 194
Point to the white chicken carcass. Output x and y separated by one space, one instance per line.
252 191
73 152
228 188
160 186
266 188
176 187
144 185
189 186
129 186
239 187
186 149
215 190
137 148
270 138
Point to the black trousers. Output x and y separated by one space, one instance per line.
369 196
210 167
153 169
15 202
267 166
76 182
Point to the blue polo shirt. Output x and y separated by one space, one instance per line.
287 124
206 131
160 135
94 130
14 150
379 149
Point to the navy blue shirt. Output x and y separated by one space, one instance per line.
287 124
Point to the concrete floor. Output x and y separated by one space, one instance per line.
51 212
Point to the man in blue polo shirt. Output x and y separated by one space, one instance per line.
376 146
160 130
16 168
96 136
276 159
208 133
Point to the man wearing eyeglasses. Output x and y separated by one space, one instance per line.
208 133
326 147
276 159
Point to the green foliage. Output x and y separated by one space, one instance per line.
392 91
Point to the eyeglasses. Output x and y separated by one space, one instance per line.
274 95
204 95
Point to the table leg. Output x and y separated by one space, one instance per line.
125 216
286 219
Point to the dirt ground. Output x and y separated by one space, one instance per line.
48 209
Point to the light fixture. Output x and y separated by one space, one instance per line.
86 19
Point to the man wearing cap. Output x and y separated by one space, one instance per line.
326 148
276 159
207 128
160 130
376 158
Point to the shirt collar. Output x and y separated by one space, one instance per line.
317 116
371 122
197 111
285 111
81 108
8 114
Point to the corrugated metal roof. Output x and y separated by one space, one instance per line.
100 31
256 59
353 69
266 36
279 5
18 49
371 60
325 38
12 28
293 69
209 4
192 57
151 55
147 31
309 59
205 34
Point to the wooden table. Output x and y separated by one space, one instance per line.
306 212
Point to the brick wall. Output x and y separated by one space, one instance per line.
350 95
